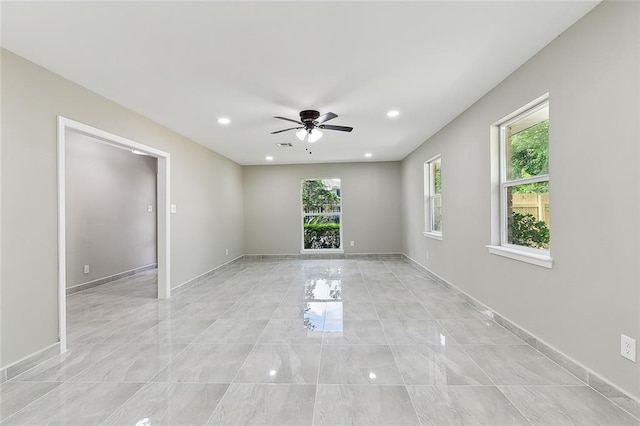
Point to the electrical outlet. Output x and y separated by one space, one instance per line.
353 243
226 252
149 208
86 269
628 347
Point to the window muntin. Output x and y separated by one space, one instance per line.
433 196
321 214
524 180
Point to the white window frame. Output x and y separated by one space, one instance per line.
500 246
430 196
303 214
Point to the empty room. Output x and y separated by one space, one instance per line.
320 213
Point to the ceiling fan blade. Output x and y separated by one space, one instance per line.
285 130
289 119
339 128
326 117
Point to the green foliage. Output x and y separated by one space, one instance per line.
437 178
316 196
321 236
526 230
531 188
529 156
320 232
321 226
318 220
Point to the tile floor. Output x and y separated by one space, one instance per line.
323 342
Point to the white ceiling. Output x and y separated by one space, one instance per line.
186 64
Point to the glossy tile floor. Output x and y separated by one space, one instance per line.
323 342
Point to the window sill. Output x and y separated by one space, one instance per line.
522 256
433 235
329 251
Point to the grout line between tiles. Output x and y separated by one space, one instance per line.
494 383
472 360
315 398
154 375
33 402
233 380
393 354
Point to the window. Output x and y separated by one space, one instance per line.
321 214
433 198
524 184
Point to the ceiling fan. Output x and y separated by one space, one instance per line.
310 121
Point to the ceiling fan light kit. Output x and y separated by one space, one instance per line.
309 124
312 135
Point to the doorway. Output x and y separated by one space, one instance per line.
163 209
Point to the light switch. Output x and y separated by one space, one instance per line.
149 208
174 209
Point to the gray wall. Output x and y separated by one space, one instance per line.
108 226
370 206
206 187
592 294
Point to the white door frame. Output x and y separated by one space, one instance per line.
163 209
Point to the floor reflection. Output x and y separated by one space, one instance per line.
323 289
314 315
323 309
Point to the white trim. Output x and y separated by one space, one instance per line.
526 181
507 119
499 236
29 357
62 243
164 224
205 274
112 277
543 260
324 214
496 205
328 251
2 371
430 196
28 362
164 227
433 235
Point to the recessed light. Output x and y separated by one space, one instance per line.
223 120
393 113
368 155
268 158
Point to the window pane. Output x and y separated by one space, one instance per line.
528 215
527 145
321 232
436 213
436 177
321 196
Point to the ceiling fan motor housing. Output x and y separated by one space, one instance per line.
308 116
